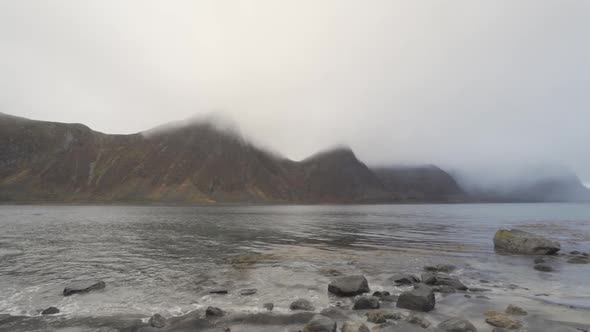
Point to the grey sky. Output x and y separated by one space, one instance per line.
457 82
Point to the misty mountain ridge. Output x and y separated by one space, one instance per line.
206 160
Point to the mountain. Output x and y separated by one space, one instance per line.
193 162
199 162
420 184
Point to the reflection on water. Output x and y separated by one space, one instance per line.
165 258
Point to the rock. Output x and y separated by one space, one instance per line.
388 298
380 317
436 279
501 320
399 327
302 304
381 294
456 325
404 279
320 323
268 306
575 252
50 311
334 313
365 303
352 326
83 287
539 260
515 311
349 286
585 254
479 290
482 297
218 291
444 289
157 321
440 268
521 242
420 321
248 291
214 312
579 260
467 296
543 268
419 299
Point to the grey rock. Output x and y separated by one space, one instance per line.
334 313
381 294
157 321
366 303
218 291
521 242
352 326
320 323
50 311
539 260
515 311
456 324
349 286
404 279
214 312
437 279
446 268
479 290
543 268
579 260
420 321
380 316
575 252
83 287
302 304
268 306
419 299
248 291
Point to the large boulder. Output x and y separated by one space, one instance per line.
456 325
302 304
349 286
83 287
520 242
320 323
419 299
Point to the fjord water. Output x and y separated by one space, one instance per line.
166 259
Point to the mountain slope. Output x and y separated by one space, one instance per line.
420 184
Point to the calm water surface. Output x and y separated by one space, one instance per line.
165 259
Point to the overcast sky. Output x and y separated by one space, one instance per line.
457 82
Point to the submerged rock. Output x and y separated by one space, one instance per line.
349 286
436 279
501 320
366 302
419 299
579 260
214 312
456 325
352 326
521 242
420 321
515 311
218 291
543 268
446 268
83 287
302 304
248 291
404 279
157 321
380 316
320 323
539 260
268 306
50 311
